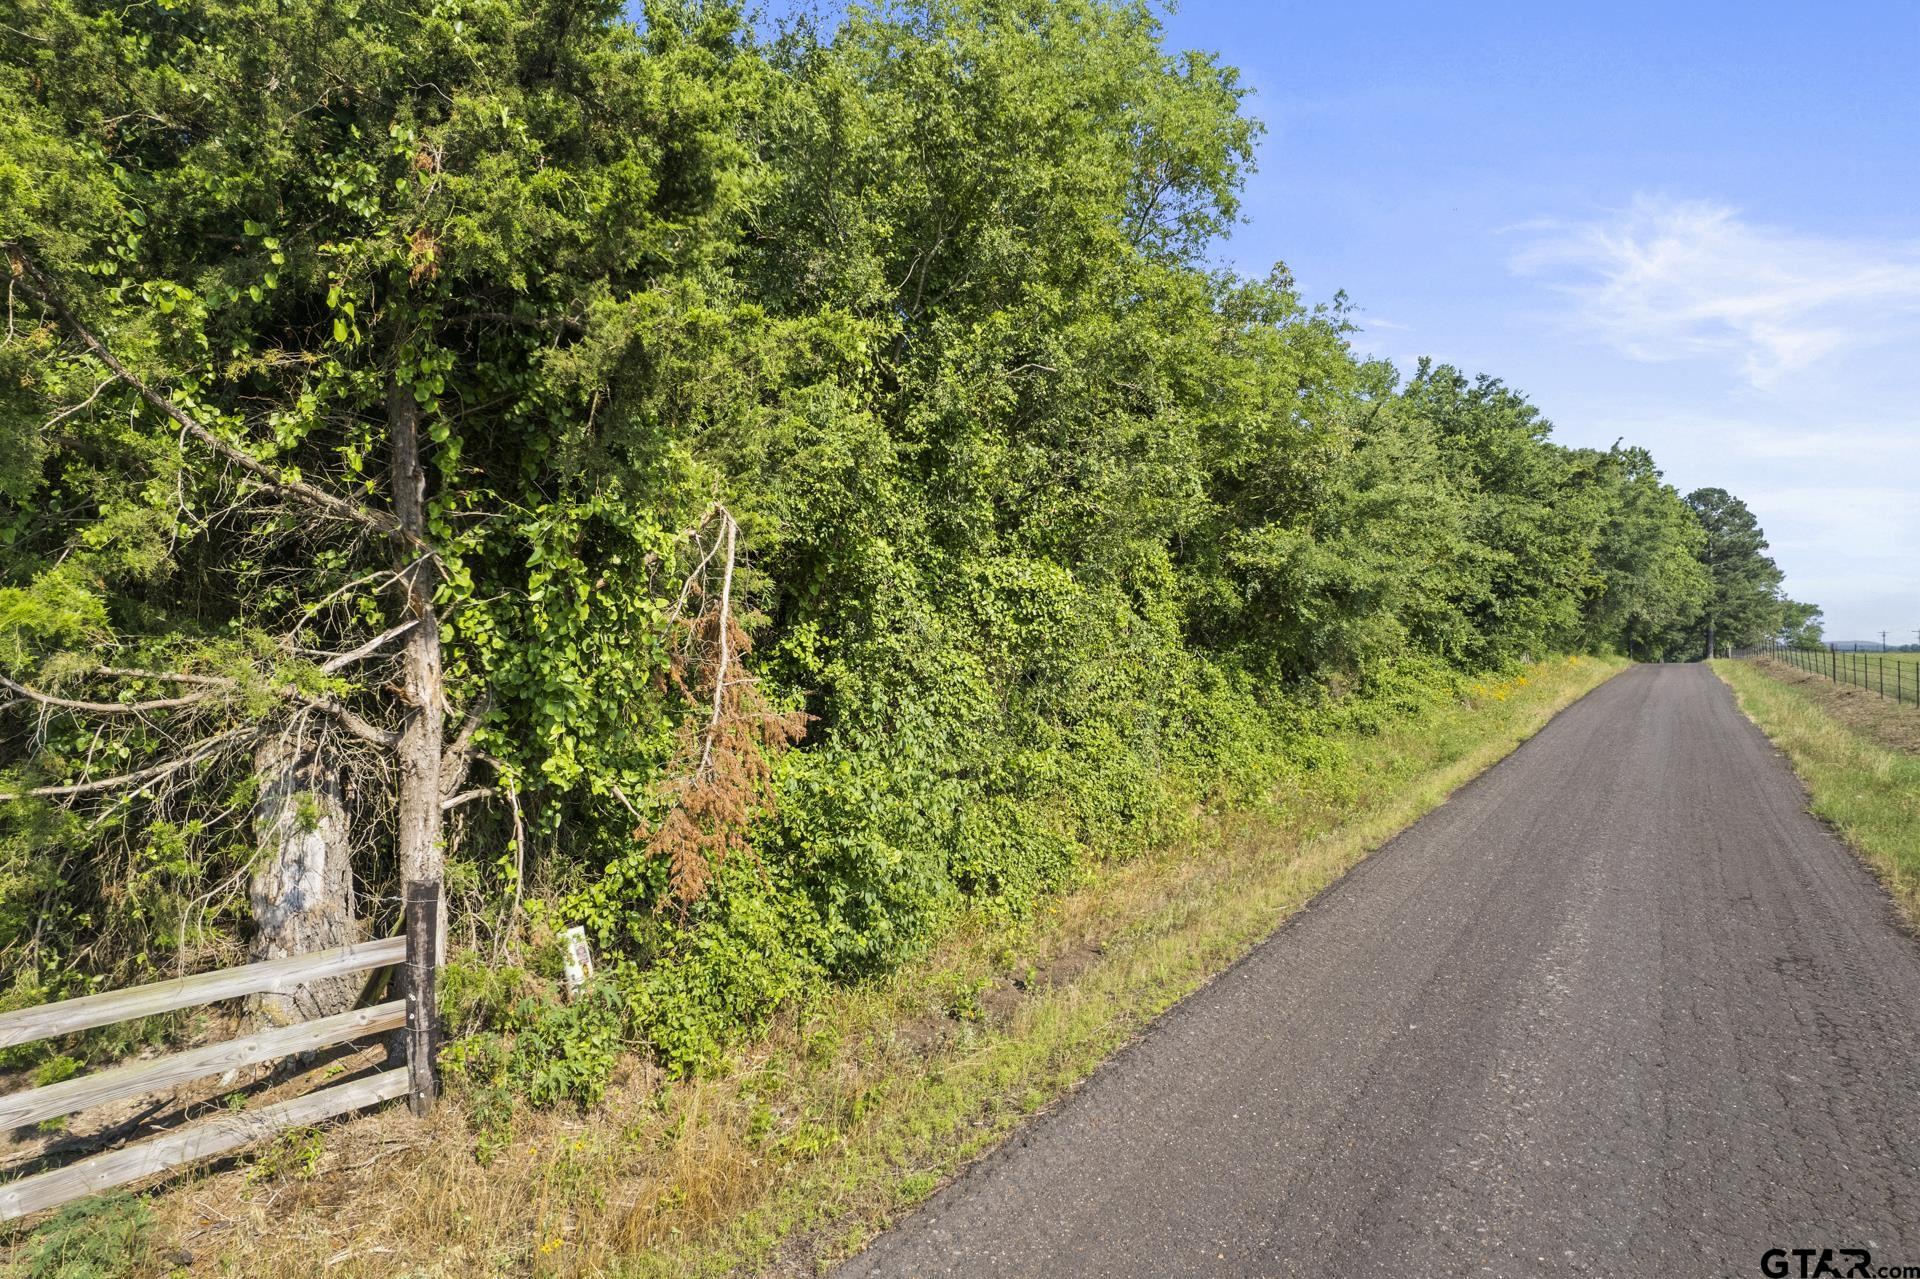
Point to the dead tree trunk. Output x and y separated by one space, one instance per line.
302 889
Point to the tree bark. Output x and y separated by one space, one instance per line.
418 752
302 889
422 682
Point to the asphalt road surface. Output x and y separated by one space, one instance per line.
1619 1007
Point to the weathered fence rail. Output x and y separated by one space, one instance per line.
204 1140
139 1078
227 1132
70 1015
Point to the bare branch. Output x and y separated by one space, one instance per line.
41 287
686 587
458 757
204 750
467 797
726 655
326 705
519 850
314 609
369 648
127 672
622 797
70 410
360 728
102 708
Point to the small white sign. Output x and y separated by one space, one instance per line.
579 959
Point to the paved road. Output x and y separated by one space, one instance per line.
1619 1007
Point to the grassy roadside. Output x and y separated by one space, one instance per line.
1864 782
860 1105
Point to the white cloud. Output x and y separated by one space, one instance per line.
1667 280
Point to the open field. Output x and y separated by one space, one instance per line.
1909 661
1889 659
1894 658
1893 675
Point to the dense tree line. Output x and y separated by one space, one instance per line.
753 496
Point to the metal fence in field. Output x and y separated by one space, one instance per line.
1895 676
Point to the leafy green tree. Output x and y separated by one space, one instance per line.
1744 604
343 345
474 441
1535 514
1799 624
1651 580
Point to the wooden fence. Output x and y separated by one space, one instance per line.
227 1132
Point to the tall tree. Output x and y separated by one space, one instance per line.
1650 578
1743 605
333 379
1536 512
1799 624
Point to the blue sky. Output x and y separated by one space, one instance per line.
1692 225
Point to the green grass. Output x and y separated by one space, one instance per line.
106 1237
1890 660
1868 791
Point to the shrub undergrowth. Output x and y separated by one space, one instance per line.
868 856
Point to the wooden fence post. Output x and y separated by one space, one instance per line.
423 921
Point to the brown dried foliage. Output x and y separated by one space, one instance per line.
719 779
423 256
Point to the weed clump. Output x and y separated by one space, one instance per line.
107 1237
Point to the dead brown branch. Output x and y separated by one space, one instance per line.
719 780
